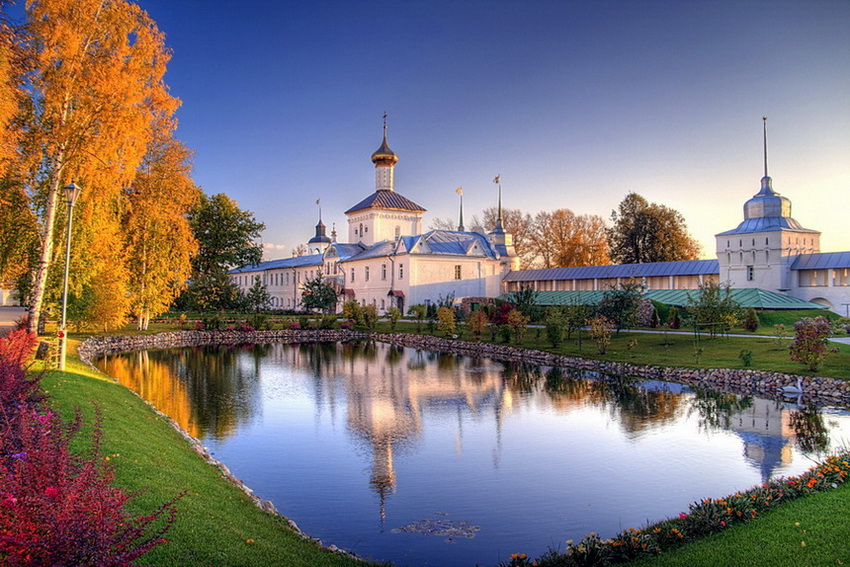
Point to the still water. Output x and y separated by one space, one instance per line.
426 459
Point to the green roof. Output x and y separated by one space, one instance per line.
751 297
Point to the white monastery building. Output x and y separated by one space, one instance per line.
769 260
388 261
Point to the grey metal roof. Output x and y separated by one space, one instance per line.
821 261
767 224
385 199
384 248
297 262
651 269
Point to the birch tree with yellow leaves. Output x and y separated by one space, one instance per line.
99 98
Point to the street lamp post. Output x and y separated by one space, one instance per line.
72 191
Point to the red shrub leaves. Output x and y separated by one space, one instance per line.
16 347
58 508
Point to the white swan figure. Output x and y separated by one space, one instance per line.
791 391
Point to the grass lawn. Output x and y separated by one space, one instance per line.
807 532
674 349
215 520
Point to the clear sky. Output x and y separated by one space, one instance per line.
575 103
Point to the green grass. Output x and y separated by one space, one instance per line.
672 349
821 521
215 519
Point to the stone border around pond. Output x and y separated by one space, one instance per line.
818 390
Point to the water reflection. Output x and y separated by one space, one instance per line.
209 391
504 419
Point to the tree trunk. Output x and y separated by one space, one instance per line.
36 322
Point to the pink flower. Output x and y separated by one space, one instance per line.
51 492
682 516
722 523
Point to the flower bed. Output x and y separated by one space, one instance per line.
703 518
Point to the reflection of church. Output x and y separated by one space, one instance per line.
386 403
768 438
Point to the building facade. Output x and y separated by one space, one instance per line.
388 261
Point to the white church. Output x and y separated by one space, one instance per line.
387 260
769 260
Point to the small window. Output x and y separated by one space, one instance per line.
401 271
750 273
397 231
383 271
382 305
367 273
352 275
457 272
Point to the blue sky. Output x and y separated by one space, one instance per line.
574 103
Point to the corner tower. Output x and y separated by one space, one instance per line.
759 252
385 214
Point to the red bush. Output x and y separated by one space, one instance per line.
60 509
16 347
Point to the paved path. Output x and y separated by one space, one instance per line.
9 316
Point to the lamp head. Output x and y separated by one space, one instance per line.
72 191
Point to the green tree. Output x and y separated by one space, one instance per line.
258 297
316 294
227 239
227 236
419 312
393 314
620 305
518 322
646 232
600 331
713 308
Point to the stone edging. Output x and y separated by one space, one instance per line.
819 390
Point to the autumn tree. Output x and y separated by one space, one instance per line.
98 95
11 95
647 232
562 239
158 238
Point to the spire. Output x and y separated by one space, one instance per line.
764 125
766 181
498 181
333 232
459 191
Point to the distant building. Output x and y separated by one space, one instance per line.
388 261
769 253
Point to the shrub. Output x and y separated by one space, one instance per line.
751 320
16 347
60 509
810 341
393 314
674 319
518 323
600 331
446 320
554 334
477 322
746 356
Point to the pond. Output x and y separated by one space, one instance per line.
427 459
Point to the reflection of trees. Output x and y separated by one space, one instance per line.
522 377
205 389
716 409
636 407
810 429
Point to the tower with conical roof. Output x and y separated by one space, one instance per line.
385 214
320 240
759 252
